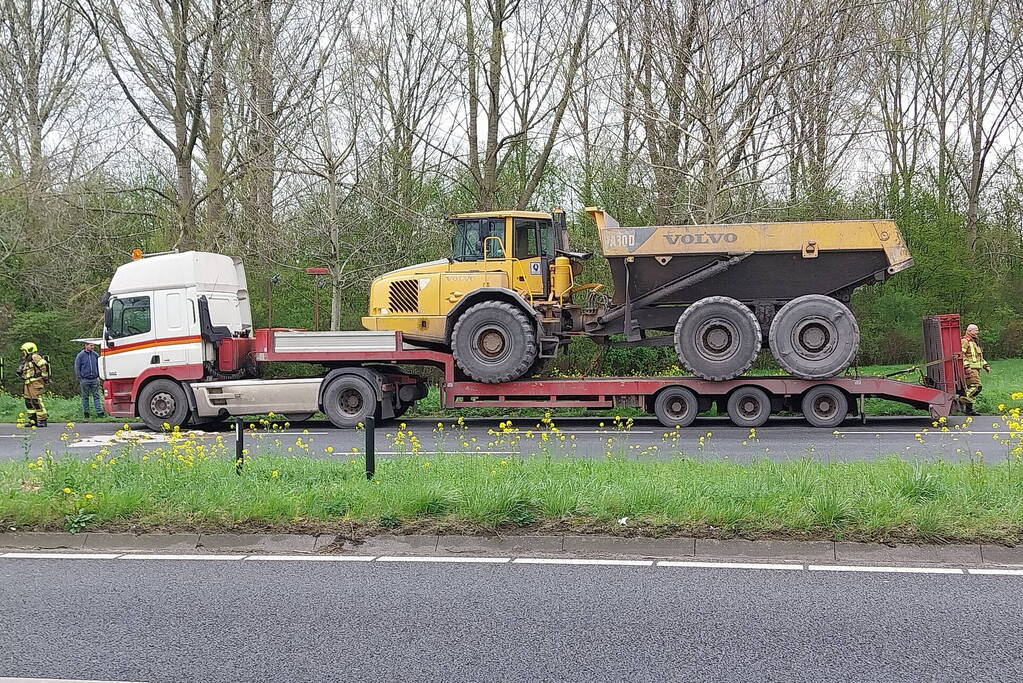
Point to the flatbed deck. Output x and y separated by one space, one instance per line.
675 400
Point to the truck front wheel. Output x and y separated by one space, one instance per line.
348 401
163 402
494 342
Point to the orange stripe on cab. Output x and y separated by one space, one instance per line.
170 341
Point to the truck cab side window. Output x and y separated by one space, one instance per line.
533 237
470 234
129 316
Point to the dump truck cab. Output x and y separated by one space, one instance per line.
497 301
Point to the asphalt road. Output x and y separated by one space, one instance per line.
782 438
213 621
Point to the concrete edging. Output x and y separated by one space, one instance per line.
540 545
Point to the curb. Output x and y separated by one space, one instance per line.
549 546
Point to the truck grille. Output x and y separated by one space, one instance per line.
404 296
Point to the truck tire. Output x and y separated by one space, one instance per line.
814 337
494 342
825 406
161 402
749 407
717 338
676 407
348 400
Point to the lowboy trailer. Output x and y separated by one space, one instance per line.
179 349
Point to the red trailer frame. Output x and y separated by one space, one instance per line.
944 373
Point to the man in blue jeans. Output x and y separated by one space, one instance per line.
87 373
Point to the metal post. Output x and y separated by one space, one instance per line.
316 305
371 456
239 444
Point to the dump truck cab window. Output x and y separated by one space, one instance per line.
533 237
470 236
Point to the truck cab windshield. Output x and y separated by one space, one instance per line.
470 235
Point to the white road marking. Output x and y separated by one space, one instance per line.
567 560
442 558
61 556
901 570
997 572
921 432
157 556
454 559
312 558
728 565
56 680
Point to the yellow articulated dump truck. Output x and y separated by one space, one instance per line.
506 299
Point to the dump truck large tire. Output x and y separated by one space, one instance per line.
717 338
814 337
494 342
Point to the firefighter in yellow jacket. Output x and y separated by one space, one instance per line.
36 372
973 359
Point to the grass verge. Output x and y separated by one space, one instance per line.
185 486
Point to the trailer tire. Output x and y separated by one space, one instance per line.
825 406
814 337
348 401
163 402
749 407
676 407
717 338
494 342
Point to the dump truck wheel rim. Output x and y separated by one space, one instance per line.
491 343
716 339
814 337
162 405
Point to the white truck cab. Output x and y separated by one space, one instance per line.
178 347
153 311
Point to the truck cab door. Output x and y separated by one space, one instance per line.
533 250
479 259
129 336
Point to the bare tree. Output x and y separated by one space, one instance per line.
158 54
521 63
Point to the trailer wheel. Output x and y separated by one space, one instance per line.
749 407
494 342
161 402
814 337
349 400
825 406
717 338
676 407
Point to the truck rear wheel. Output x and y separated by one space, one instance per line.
163 402
349 400
717 338
814 337
676 407
494 342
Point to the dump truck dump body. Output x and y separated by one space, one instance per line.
777 261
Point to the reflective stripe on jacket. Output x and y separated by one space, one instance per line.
973 355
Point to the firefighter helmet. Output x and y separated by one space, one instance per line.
29 347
